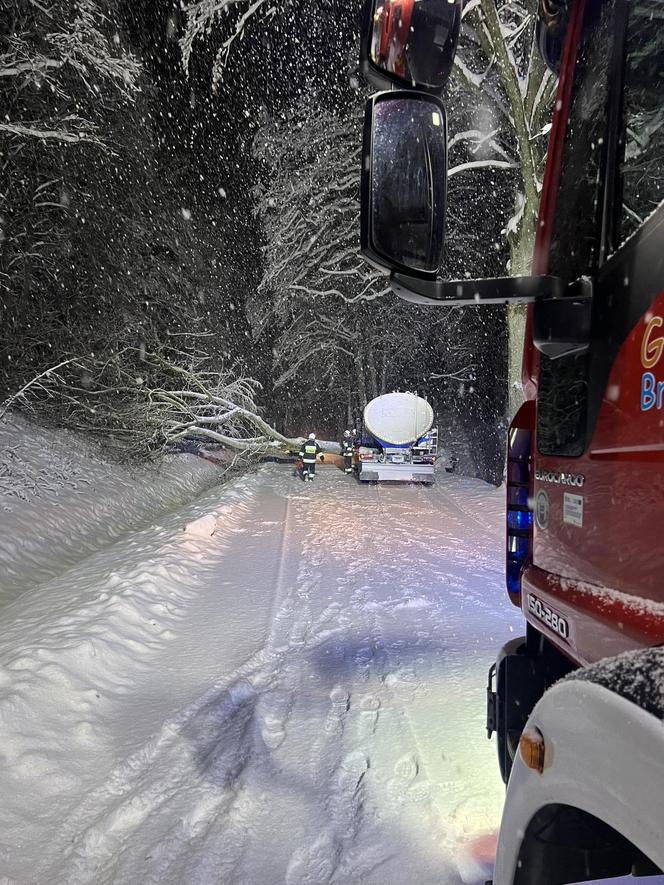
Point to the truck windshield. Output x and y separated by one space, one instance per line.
563 382
576 234
643 166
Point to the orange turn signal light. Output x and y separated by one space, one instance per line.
531 747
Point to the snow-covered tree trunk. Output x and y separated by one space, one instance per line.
504 36
361 380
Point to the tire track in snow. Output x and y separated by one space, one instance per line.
281 601
153 775
196 803
256 702
345 749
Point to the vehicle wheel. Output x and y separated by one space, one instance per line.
566 844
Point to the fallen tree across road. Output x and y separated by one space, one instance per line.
145 401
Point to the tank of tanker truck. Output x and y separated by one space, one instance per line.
399 442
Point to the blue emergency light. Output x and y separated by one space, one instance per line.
519 515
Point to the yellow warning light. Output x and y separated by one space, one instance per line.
531 747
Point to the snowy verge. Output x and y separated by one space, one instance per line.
482 502
60 502
73 651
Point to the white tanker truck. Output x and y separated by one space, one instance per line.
398 440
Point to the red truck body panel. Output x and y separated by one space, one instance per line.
595 585
606 577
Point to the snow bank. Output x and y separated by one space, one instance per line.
79 679
59 502
479 501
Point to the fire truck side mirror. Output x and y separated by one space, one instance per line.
409 43
404 183
550 27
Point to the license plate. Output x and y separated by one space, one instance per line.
397 459
548 616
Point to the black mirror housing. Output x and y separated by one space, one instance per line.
409 44
404 183
550 27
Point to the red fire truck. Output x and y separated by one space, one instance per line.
391 31
577 704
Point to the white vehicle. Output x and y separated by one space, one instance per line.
399 442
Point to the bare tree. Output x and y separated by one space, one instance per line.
51 46
314 281
63 67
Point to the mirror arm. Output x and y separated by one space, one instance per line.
496 290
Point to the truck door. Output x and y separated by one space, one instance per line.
599 483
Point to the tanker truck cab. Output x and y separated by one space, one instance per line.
585 475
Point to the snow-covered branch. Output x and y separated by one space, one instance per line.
42 384
63 135
201 18
33 67
223 54
465 374
481 164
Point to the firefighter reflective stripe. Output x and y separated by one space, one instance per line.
309 454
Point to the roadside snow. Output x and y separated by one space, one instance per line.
297 697
59 503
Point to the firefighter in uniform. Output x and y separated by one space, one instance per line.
309 452
347 451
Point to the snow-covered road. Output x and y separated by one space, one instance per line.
297 698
